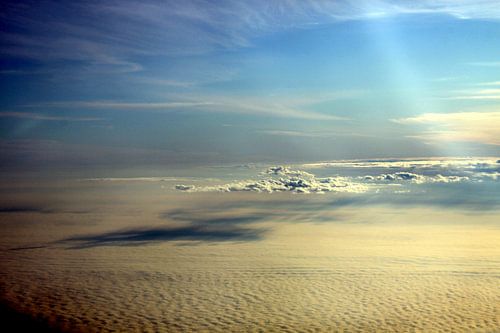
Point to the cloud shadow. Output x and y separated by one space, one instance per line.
199 217
25 209
193 233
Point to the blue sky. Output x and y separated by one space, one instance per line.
126 83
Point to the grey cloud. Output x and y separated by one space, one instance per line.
184 187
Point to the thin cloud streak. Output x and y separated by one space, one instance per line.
279 106
489 84
119 105
39 116
477 94
478 127
304 134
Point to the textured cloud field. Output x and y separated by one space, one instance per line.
409 252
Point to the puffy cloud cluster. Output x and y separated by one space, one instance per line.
447 179
416 178
420 171
285 171
425 171
283 179
487 175
402 176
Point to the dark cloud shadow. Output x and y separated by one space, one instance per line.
278 211
192 233
237 221
25 209
40 210
27 248
202 217
304 204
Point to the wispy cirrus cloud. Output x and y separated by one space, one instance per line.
109 35
312 134
294 133
477 127
278 106
116 105
226 105
40 116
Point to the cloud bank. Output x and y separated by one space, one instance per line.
415 178
462 163
374 176
284 179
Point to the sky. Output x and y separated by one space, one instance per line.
126 84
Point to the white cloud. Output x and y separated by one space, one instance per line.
292 133
495 175
314 134
477 94
492 83
483 91
284 179
426 163
415 178
478 127
418 172
285 171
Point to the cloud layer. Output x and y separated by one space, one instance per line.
374 176
283 179
415 178
407 163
